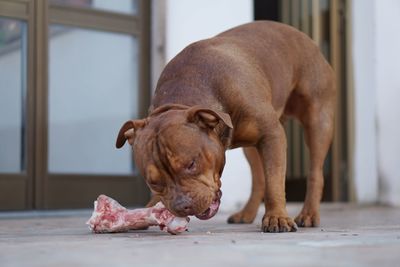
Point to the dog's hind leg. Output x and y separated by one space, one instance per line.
249 212
318 123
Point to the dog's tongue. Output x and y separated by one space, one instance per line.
212 210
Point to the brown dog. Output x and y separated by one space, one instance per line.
230 91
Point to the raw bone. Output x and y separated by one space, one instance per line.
109 217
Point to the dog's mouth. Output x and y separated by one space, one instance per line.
212 209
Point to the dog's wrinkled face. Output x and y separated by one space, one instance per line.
181 155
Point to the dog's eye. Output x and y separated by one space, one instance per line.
156 186
191 166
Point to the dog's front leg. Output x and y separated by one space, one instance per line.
272 148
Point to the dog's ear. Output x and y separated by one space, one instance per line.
208 118
128 131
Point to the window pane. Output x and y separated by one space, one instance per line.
13 34
93 89
120 6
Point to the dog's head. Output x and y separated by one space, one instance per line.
181 154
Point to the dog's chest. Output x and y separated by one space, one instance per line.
246 133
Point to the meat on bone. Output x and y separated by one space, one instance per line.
110 217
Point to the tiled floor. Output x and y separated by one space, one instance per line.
349 236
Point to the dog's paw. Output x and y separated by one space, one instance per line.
276 223
307 219
242 217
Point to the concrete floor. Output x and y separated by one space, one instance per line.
350 236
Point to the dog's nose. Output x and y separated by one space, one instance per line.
183 206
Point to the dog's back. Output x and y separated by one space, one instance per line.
276 58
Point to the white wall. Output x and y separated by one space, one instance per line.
191 20
376 57
387 14
187 21
365 158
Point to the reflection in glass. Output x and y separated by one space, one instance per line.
13 34
93 89
119 6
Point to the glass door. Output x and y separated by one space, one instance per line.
65 90
94 84
16 118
